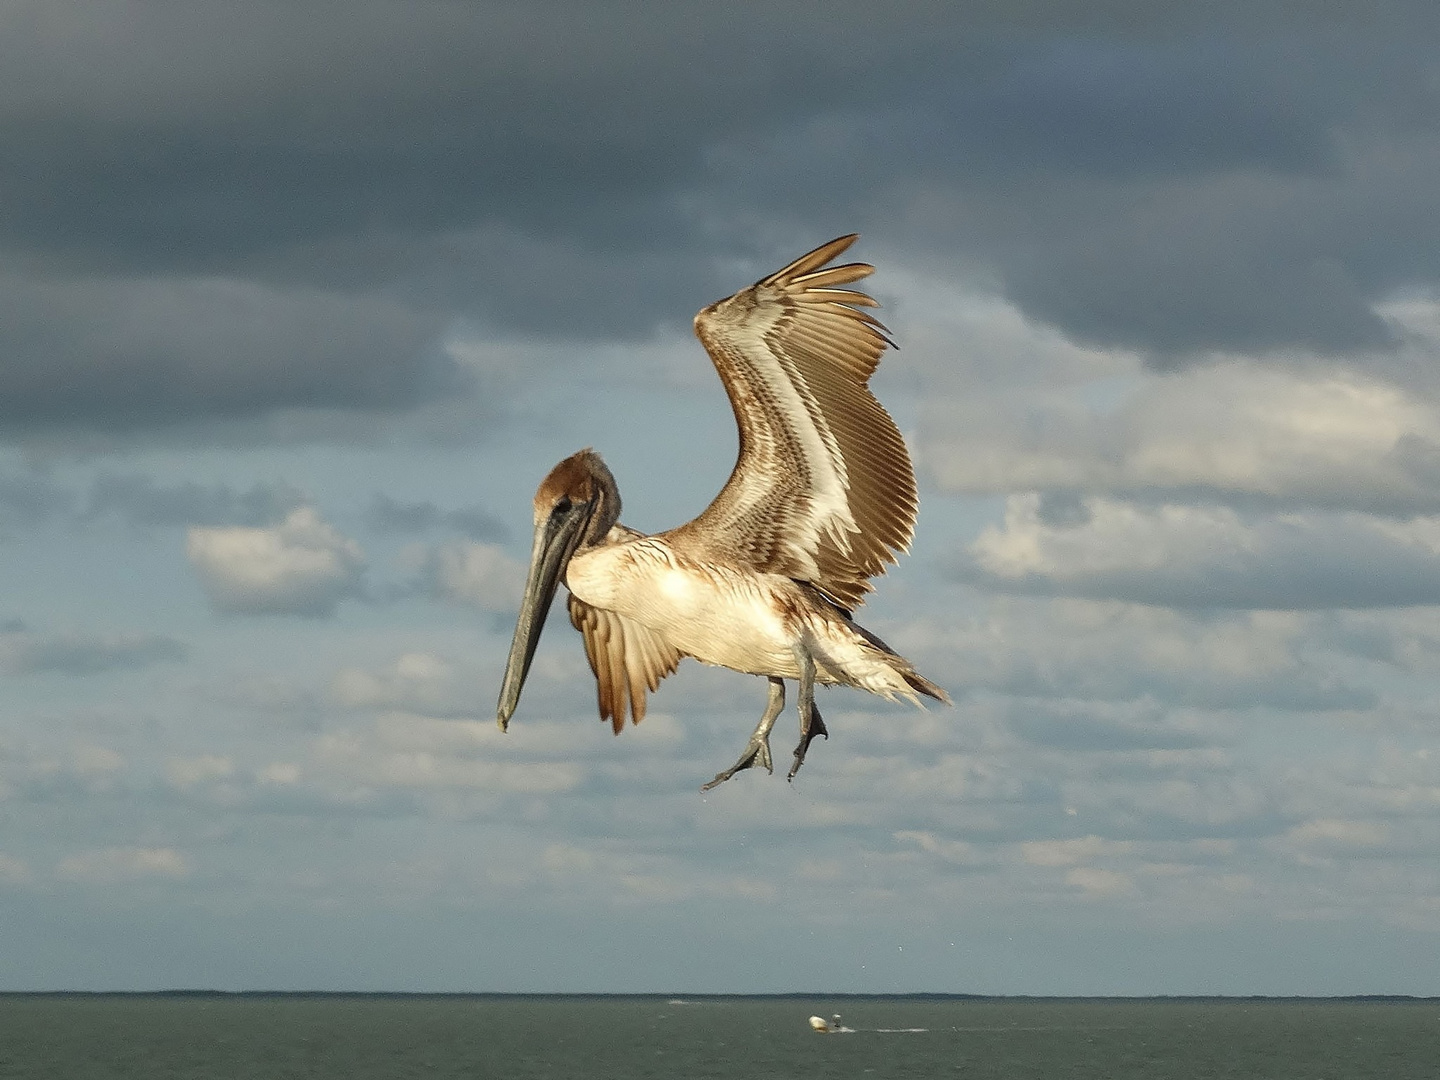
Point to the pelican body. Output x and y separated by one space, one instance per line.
764 582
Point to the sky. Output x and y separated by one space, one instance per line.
298 304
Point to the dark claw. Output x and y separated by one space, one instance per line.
817 727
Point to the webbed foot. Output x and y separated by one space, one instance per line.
757 750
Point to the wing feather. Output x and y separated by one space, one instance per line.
823 489
626 658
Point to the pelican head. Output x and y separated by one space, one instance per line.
576 505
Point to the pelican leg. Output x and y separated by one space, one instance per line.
810 722
757 750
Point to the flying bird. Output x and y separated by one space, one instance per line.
765 581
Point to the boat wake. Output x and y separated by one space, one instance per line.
833 1026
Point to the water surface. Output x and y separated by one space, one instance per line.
209 1037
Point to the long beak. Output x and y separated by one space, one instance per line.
555 541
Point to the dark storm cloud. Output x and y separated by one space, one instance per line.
231 135
220 210
1211 192
119 353
1238 261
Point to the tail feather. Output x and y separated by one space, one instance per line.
903 667
925 686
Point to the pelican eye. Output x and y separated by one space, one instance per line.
563 506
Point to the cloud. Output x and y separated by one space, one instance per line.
1209 556
1336 836
422 754
33 497
109 866
481 575
952 851
14 871
416 681
30 498
280 774
1163 276
59 773
121 354
1117 189
186 773
142 501
1077 725
1232 432
258 215
25 652
1069 852
302 566
1096 883
388 515
1070 651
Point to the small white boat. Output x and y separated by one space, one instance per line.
825 1027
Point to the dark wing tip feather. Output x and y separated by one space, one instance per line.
813 260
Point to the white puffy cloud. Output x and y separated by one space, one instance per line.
1233 430
1035 414
302 566
1209 555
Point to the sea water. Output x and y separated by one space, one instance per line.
209 1037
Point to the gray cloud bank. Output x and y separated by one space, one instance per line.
218 211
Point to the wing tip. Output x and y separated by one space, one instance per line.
813 260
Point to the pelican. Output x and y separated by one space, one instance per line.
765 581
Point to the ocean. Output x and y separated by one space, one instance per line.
242 1036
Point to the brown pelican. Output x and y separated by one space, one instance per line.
765 580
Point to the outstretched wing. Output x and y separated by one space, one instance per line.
627 659
823 490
